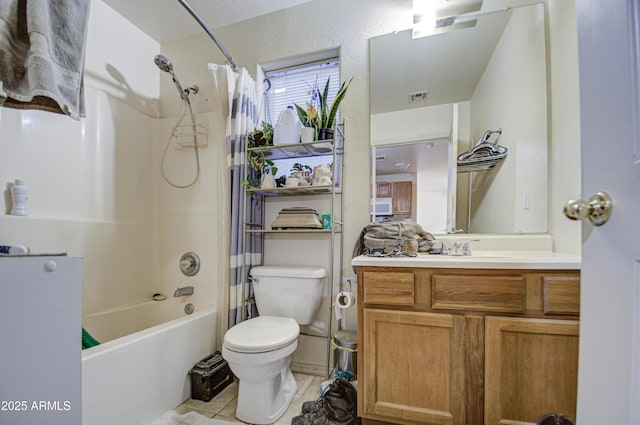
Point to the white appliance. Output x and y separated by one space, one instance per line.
259 350
40 371
384 206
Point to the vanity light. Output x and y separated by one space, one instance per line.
436 16
424 17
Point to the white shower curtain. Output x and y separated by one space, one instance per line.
242 101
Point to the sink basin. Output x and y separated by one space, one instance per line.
479 259
475 254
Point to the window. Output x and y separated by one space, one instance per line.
296 84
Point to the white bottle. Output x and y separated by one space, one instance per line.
19 197
287 129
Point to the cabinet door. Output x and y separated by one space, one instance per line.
413 367
41 352
531 369
383 190
402 193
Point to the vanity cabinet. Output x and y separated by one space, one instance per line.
401 194
383 190
466 346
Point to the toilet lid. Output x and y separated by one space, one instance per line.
264 333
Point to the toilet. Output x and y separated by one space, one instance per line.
259 350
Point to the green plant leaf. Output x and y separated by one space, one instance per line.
336 103
324 96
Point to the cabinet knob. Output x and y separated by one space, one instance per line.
51 266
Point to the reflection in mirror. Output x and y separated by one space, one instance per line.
455 86
415 177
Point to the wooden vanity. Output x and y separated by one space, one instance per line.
466 345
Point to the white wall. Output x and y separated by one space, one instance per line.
89 181
564 150
412 125
95 188
512 95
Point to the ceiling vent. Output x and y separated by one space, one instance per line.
419 96
380 157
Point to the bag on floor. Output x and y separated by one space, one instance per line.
338 406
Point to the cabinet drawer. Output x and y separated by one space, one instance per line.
478 293
561 295
389 288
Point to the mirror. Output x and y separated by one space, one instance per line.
433 98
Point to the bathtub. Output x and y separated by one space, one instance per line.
132 379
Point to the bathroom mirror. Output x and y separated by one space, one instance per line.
437 95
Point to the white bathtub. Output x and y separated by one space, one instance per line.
133 379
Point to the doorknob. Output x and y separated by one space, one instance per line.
598 208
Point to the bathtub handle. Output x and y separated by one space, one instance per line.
190 264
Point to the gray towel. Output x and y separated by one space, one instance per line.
388 235
42 50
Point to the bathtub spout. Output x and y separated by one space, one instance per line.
185 290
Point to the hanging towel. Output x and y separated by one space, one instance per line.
42 50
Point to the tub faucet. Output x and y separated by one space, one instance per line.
185 290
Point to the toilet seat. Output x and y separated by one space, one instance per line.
262 334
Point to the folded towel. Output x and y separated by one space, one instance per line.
42 51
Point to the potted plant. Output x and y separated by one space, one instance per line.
328 112
262 136
309 116
302 171
300 168
309 119
261 171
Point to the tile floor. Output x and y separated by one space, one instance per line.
223 406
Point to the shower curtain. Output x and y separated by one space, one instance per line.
244 252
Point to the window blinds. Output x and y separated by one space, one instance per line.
296 85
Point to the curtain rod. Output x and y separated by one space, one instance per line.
208 31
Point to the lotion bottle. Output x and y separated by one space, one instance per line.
19 197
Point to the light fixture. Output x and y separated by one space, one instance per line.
424 17
401 166
437 16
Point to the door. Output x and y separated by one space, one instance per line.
609 365
530 370
402 194
413 367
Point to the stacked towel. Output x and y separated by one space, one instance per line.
42 50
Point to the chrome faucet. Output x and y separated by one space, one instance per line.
185 290
462 248
456 248
466 248
443 250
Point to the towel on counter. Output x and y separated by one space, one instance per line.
388 235
42 51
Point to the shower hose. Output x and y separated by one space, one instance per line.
87 340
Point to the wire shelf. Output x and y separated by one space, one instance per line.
184 135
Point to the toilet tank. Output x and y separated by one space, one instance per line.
286 291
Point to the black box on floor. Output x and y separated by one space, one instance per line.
210 376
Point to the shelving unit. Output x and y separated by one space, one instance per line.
329 195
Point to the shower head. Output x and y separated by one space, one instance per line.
165 65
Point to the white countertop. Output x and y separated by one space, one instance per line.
537 260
